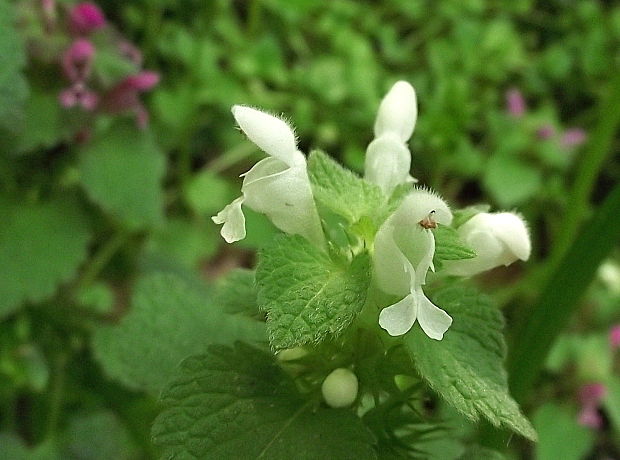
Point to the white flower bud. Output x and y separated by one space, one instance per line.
291 354
340 388
388 159
498 239
398 112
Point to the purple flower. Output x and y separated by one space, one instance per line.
125 96
545 132
590 396
614 337
573 137
77 59
79 95
515 103
85 18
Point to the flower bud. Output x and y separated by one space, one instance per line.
86 17
340 388
498 239
398 112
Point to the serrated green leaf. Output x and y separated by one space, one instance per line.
169 320
237 403
448 246
122 170
341 191
41 246
466 367
463 215
307 296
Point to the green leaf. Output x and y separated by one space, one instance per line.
510 180
187 242
207 193
341 191
466 367
237 403
307 296
237 293
97 436
448 246
43 126
41 246
169 319
122 170
13 86
559 434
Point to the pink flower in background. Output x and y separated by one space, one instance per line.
125 96
515 103
85 18
78 95
131 52
573 137
76 61
545 132
614 337
590 396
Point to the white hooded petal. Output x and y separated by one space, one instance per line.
234 221
388 161
433 320
392 271
497 238
397 319
271 134
284 195
419 204
398 112
510 228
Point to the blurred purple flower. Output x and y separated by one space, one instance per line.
590 396
77 59
79 95
573 137
125 96
614 337
130 51
515 103
545 132
86 17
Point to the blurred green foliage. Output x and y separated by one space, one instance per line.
92 208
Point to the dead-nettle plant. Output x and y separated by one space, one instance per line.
359 263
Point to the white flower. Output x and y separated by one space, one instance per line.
277 186
340 388
403 253
388 159
498 239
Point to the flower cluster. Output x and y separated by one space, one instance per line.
91 87
404 245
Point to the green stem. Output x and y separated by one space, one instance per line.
561 294
253 17
591 164
56 394
232 157
102 257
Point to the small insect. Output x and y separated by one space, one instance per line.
429 221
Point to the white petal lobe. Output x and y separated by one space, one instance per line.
397 319
433 320
234 221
